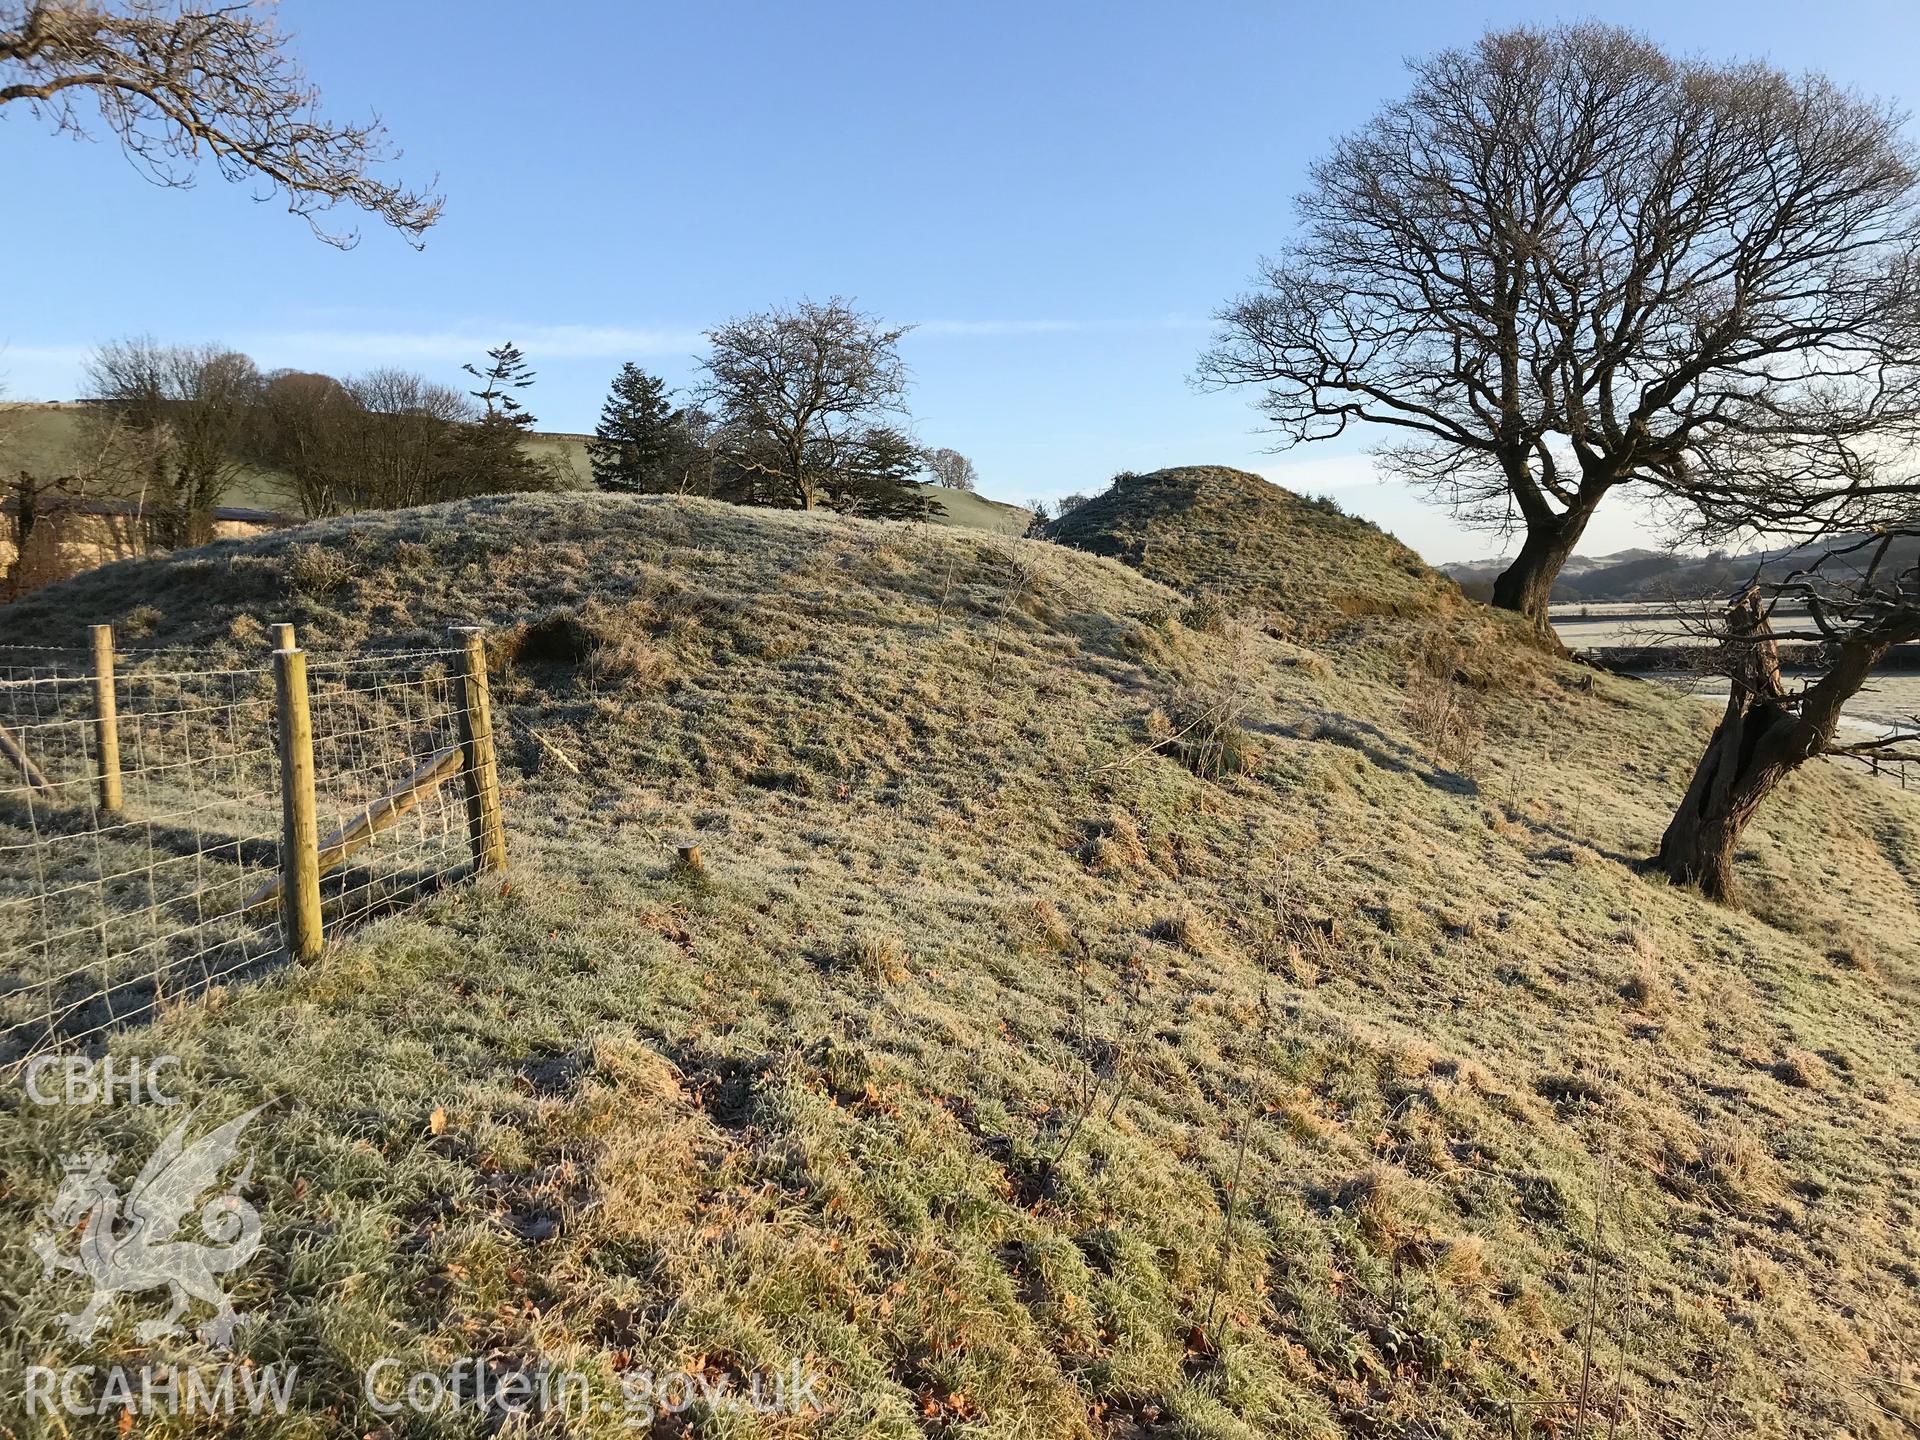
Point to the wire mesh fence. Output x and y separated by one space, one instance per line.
143 812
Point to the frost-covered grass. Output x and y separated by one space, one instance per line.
1006 1065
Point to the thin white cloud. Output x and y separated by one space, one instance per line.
56 370
998 327
541 342
39 356
967 328
41 372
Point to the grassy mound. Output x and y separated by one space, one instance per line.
1095 1014
1206 528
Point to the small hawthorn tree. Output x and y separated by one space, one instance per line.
1567 262
952 469
179 83
1859 606
799 396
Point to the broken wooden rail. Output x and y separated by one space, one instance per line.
12 747
304 858
106 733
381 814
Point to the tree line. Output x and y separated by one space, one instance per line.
174 426
800 407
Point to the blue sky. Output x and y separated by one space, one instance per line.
1057 193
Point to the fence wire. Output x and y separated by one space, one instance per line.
106 916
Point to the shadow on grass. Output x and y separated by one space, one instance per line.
82 1014
1384 753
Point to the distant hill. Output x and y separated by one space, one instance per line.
1659 574
51 441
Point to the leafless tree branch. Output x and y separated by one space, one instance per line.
178 83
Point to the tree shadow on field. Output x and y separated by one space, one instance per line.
1639 864
1384 753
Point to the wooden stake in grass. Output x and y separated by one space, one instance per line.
299 829
106 722
283 637
481 775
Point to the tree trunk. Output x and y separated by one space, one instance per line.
1756 745
1526 585
27 517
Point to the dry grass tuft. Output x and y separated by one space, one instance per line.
247 632
1382 1200
1184 930
1856 953
1801 1069
1040 923
877 958
138 623
1461 1265
1448 720
630 660
316 570
1115 846
1646 988
1204 727
1733 1162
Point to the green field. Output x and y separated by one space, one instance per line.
1180 991
52 442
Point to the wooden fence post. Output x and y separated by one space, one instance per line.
283 637
479 773
299 829
106 721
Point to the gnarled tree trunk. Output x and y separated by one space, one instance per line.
1757 744
1526 585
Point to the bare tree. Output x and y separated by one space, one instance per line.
305 430
952 469
405 448
1859 608
1567 262
796 394
182 412
176 83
